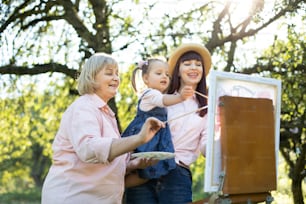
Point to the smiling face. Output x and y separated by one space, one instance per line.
157 76
191 72
107 81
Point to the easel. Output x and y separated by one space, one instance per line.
248 198
248 151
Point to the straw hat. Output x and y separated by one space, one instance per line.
198 48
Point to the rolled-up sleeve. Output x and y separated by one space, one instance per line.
90 135
151 99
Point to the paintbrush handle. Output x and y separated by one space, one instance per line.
194 111
200 94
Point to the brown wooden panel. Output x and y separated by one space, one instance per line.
247 144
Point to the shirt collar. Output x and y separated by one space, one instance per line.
100 104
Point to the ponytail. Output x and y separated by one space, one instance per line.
134 78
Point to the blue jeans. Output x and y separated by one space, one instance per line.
175 187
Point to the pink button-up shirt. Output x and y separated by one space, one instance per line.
188 132
80 172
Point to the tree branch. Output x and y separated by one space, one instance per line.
260 68
15 15
22 12
217 42
217 24
102 13
39 69
73 19
231 55
287 157
42 19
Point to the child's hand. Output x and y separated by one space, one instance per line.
186 92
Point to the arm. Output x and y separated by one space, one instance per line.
172 99
83 128
155 98
132 178
127 144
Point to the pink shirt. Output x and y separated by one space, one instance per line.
152 98
80 172
188 132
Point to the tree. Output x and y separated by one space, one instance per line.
286 60
93 32
31 121
55 36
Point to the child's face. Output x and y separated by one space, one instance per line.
191 72
157 77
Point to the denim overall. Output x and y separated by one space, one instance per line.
160 142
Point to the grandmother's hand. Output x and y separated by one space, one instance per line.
140 163
149 129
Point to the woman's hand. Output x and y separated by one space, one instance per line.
140 163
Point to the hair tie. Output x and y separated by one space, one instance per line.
141 63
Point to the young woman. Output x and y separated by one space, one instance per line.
189 65
152 103
89 160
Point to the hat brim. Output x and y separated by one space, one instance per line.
179 51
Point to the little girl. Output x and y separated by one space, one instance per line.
152 102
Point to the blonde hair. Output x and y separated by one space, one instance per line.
93 65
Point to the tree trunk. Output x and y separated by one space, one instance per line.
296 188
39 165
113 106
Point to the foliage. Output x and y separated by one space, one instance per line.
126 99
285 60
198 169
28 196
292 66
32 119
